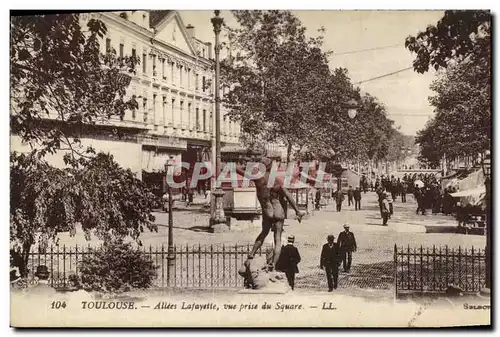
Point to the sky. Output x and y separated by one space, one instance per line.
369 44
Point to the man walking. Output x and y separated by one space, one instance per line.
288 261
357 199
350 195
403 191
347 245
330 257
386 213
339 198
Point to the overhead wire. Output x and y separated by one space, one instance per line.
368 49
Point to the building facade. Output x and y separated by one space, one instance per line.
174 87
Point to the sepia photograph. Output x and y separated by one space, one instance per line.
250 168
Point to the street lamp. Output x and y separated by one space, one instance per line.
487 183
170 256
217 210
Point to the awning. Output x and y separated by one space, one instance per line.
475 192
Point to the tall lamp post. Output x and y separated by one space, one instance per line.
170 256
487 183
217 210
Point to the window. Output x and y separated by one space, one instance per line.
145 108
189 115
203 84
173 108
154 108
164 110
210 122
133 52
121 49
180 76
224 125
108 45
182 113
197 81
204 120
144 66
197 127
189 78
163 69
154 65
172 71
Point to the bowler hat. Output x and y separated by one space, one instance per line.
291 238
330 237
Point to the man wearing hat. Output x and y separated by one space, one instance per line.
288 261
330 260
347 245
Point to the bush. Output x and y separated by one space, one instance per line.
116 267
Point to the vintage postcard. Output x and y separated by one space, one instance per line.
250 168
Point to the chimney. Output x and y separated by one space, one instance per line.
190 31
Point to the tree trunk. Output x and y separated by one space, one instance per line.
25 254
288 152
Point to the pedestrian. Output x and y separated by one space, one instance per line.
357 199
391 203
380 194
190 196
339 198
403 191
317 200
386 213
330 260
347 245
288 261
350 195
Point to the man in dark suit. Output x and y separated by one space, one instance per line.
288 261
357 199
339 198
330 258
350 195
347 245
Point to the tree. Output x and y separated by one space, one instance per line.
60 80
460 47
275 79
458 36
107 200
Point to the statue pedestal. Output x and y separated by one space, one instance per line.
258 280
270 288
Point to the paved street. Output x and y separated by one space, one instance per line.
372 263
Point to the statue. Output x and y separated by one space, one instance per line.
273 203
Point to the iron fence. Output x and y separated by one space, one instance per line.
192 266
435 269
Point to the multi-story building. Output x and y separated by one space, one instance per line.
174 87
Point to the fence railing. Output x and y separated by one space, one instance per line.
193 266
434 269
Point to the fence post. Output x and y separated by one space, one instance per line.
51 265
446 264
408 272
162 265
473 258
64 266
212 265
396 271
223 265
187 265
421 268
459 266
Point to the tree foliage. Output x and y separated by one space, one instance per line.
281 89
459 35
59 73
105 199
116 267
460 45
